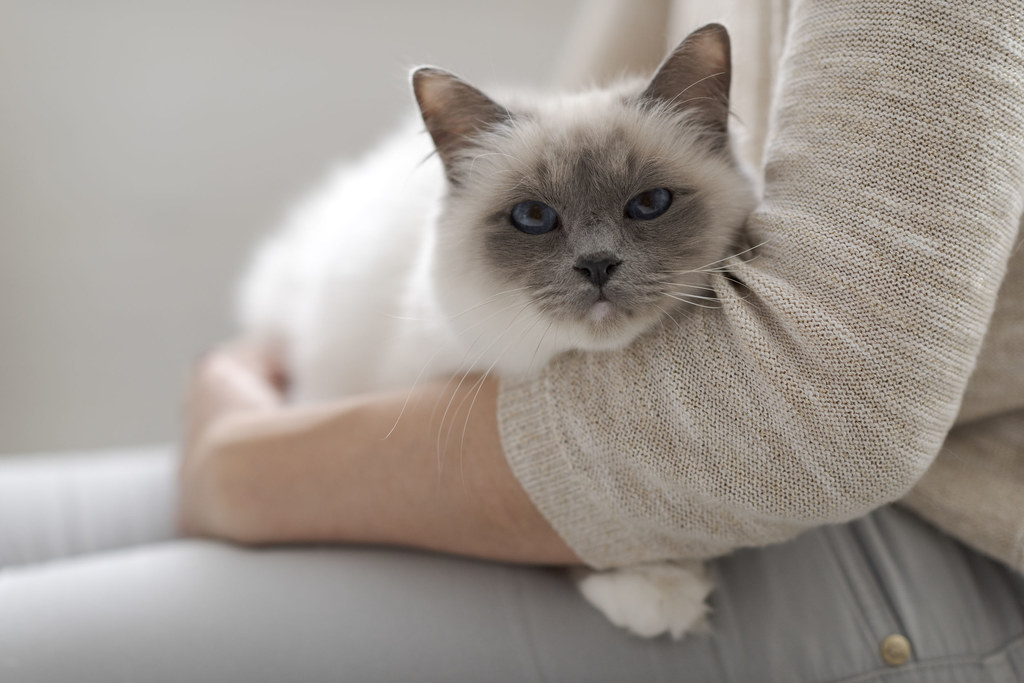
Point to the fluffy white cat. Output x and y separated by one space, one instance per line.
542 225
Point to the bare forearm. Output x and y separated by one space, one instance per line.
340 473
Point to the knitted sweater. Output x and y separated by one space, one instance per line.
828 381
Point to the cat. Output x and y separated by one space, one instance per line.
542 225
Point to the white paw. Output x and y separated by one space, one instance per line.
650 599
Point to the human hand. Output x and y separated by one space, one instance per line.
237 381
256 471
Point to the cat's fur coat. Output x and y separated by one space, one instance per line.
402 269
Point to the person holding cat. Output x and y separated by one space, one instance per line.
868 354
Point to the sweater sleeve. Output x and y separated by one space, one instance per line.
825 382
973 489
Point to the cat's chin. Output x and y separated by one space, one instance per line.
607 327
601 311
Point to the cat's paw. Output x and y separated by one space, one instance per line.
650 599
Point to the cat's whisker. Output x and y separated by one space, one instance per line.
488 300
521 183
715 269
693 300
686 313
698 99
479 385
501 310
468 365
670 317
498 154
470 369
687 295
739 253
724 272
674 101
540 341
430 360
472 163
408 396
687 282
681 284
476 388
705 288
712 268
694 296
729 277
701 80
692 303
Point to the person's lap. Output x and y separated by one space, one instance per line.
815 609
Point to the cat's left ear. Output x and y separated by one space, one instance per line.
696 78
454 111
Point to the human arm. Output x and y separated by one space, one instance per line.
257 471
826 382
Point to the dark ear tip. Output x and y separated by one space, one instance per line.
421 74
426 82
714 31
426 70
713 27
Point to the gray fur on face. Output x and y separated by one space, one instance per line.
588 177
586 155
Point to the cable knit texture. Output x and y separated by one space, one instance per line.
826 382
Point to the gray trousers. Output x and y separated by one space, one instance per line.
94 587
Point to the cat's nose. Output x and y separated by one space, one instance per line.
597 268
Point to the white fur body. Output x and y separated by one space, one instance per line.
346 291
375 283
355 294
371 286
651 599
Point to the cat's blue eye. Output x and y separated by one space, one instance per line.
649 204
534 218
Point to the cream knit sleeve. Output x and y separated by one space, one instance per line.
825 383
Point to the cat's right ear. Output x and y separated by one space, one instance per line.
454 112
695 78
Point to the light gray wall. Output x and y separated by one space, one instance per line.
144 146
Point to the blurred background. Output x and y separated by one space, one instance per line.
146 146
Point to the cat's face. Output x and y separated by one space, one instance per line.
591 216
